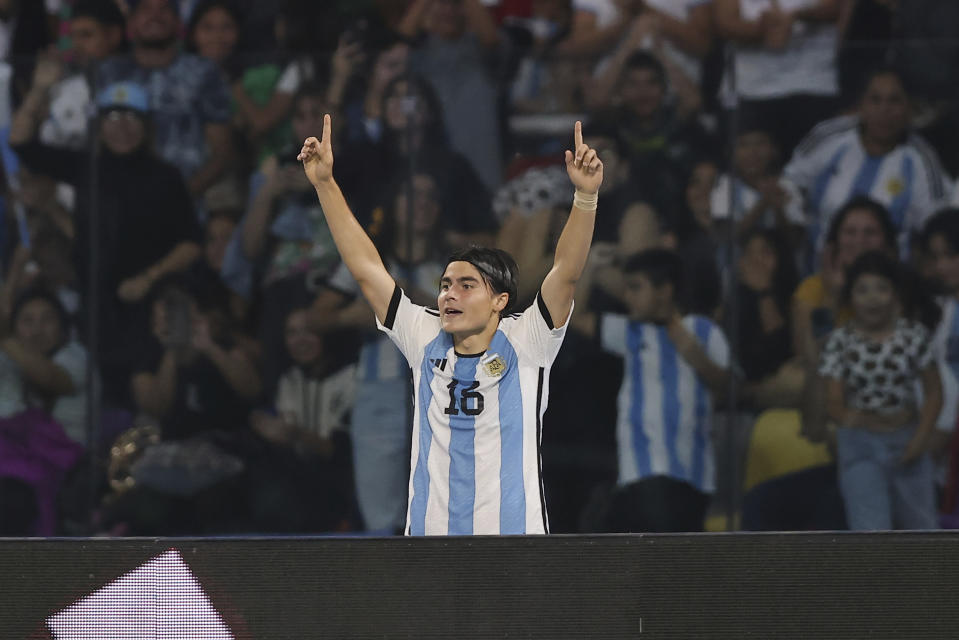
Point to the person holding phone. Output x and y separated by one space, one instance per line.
480 371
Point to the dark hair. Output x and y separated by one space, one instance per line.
645 60
883 70
434 131
944 223
106 12
661 266
399 186
917 302
879 212
497 267
309 90
204 7
874 263
785 276
39 293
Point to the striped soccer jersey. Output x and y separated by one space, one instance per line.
477 422
830 166
664 421
945 348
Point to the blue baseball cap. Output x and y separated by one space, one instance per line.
124 95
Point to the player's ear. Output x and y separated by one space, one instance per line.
500 301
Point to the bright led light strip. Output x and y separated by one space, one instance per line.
159 600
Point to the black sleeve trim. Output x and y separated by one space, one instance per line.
544 311
394 306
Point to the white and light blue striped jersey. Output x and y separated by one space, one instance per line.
477 422
665 410
945 348
830 166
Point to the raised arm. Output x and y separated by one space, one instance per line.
355 247
585 171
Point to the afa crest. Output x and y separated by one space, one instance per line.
895 186
494 365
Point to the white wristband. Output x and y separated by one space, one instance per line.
585 201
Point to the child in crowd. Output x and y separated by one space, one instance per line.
673 365
885 472
756 194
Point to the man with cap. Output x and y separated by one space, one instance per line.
189 98
145 226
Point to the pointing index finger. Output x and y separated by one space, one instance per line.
577 135
326 128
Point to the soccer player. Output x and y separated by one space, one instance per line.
480 372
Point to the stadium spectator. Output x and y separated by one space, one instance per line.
756 192
188 97
666 460
861 225
872 153
310 454
282 250
191 377
660 145
766 278
784 65
41 365
458 39
144 226
413 132
679 34
97 32
871 367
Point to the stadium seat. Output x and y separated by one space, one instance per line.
777 448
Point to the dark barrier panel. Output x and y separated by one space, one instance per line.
896 585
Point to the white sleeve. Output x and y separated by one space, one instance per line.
73 359
719 198
950 386
717 348
794 210
410 326
535 334
612 333
291 78
814 151
932 185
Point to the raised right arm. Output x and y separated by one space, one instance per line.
355 247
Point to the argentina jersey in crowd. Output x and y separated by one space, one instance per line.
475 467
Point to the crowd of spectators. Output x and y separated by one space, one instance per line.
778 229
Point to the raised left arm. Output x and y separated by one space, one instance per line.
585 171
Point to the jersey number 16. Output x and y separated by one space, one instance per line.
464 401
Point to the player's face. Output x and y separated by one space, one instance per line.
945 262
465 302
645 301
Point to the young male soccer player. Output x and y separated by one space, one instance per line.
673 365
480 373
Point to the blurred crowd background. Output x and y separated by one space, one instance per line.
183 353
